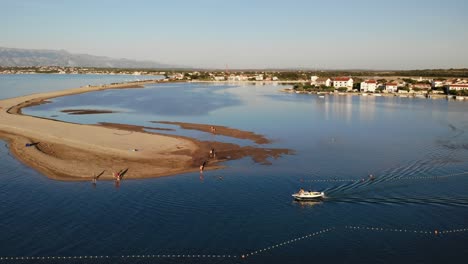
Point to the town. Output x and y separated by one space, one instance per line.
402 86
430 83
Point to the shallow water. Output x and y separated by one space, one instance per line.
247 207
13 85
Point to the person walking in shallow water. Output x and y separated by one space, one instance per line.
202 167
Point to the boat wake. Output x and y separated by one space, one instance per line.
445 201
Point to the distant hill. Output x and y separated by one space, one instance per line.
10 57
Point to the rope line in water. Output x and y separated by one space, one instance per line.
382 229
249 254
287 242
205 256
353 228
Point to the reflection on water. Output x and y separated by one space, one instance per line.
307 204
339 140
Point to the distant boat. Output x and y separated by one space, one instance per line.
321 96
306 196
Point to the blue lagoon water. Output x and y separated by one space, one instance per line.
416 148
13 85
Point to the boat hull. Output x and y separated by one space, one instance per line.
313 197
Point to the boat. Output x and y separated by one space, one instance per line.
321 96
308 195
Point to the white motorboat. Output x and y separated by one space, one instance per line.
304 195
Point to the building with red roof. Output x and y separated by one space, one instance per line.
368 86
343 82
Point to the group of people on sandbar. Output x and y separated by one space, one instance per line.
211 156
212 151
116 175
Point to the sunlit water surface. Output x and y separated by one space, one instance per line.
247 207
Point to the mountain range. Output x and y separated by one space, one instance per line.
12 57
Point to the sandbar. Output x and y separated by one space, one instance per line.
77 152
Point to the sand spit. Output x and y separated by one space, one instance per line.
75 152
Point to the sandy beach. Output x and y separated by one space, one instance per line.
66 151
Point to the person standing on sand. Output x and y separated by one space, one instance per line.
212 153
213 129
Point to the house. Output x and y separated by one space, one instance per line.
424 86
391 87
437 83
313 79
343 82
242 78
322 81
368 86
219 78
458 87
259 77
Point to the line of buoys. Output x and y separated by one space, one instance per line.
331 180
121 257
435 232
287 242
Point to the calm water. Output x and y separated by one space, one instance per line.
338 141
13 85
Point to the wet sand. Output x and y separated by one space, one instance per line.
66 151
132 128
223 151
220 130
87 111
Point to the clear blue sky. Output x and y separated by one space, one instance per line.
335 34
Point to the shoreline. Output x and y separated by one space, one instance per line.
400 95
76 152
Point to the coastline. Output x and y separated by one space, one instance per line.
401 95
76 152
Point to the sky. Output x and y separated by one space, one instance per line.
331 34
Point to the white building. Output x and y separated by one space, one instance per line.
259 77
313 79
368 86
219 78
458 87
343 82
322 81
437 83
391 87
